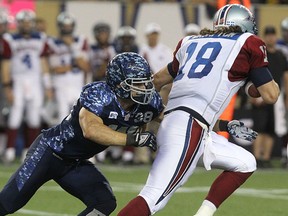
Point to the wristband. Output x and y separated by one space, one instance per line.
223 125
131 139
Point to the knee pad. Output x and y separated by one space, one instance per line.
249 165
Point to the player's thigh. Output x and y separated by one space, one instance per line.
180 147
229 156
87 183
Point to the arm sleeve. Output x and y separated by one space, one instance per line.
260 76
173 66
93 99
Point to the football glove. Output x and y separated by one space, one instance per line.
141 139
237 129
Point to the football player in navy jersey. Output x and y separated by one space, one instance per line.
105 114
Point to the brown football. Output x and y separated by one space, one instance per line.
251 90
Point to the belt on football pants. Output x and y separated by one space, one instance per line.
192 112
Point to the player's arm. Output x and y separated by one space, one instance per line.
94 129
7 80
162 78
265 84
235 128
46 78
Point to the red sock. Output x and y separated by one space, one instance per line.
31 134
225 184
136 207
11 137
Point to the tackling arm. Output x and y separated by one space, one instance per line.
162 78
94 129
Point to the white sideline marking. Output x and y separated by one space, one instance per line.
39 213
124 187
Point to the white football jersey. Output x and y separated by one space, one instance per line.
62 55
211 69
25 53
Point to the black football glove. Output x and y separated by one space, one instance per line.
237 129
141 139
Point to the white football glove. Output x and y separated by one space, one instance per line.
237 129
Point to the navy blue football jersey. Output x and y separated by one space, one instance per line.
67 138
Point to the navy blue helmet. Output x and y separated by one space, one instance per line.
129 76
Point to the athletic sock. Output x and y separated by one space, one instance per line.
225 184
206 209
136 207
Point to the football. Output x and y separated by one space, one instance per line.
251 90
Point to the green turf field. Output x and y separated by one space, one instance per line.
264 194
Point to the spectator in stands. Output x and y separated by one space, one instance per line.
282 44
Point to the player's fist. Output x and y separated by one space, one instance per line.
141 139
237 129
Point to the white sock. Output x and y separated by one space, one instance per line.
206 209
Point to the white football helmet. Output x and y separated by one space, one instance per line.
66 23
25 21
126 31
235 15
25 15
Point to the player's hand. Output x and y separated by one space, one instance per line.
237 129
141 139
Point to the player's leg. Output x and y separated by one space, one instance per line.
238 165
14 122
33 120
33 173
180 147
88 184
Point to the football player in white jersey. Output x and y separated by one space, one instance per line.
68 63
3 103
24 69
207 70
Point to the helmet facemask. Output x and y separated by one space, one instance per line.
140 90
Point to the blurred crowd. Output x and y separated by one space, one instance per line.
42 76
